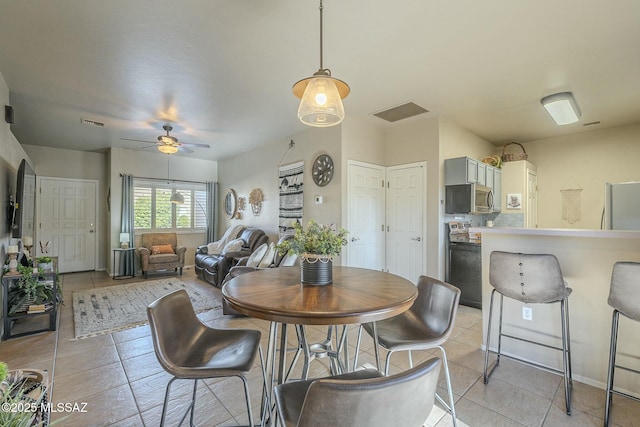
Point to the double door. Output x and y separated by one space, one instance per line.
386 218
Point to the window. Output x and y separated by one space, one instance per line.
153 210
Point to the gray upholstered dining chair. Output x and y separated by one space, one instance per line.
426 325
361 398
188 349
531 279
623 298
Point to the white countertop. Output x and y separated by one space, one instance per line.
566 232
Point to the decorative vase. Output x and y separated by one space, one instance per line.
46 265
316 269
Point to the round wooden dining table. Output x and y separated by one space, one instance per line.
357 295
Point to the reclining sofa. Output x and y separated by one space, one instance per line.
214 267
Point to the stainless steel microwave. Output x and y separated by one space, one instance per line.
468 199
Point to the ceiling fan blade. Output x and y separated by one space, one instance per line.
184 149
139 140
189 144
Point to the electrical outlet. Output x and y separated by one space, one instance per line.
527 313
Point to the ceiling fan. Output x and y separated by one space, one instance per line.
169 144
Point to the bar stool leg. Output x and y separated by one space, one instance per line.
569 342
488 343
500 329
566 362
612 365
355 358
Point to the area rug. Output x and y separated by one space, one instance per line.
114 308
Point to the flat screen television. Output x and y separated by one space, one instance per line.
25 203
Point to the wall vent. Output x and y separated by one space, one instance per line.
89 122
592 123
400 112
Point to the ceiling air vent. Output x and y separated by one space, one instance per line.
92 123
592 123
400 112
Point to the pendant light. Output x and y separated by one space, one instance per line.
321 95
176 198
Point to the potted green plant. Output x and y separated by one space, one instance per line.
45 262
316 245
29 289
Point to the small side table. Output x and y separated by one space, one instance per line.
129 255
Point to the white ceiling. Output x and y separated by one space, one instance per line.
221 70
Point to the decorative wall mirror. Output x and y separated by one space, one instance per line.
230 203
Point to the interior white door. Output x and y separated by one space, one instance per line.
406 248
366 211
67 217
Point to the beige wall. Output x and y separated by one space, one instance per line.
416 140
259 169
78 165
585 160
11 154
154 165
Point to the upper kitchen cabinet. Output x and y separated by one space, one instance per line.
465 170
494 181
520 190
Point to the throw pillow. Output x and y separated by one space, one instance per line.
257 255
162 249
267 260
233 246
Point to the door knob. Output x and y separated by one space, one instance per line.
416 239
355 239
90 231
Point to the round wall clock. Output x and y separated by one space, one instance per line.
322 170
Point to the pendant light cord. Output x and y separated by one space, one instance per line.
168 176
321 35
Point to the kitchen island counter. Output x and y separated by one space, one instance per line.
586 258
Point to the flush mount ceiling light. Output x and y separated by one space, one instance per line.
562 108
321 95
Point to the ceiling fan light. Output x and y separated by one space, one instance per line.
321 101
562 107
177 198
167 149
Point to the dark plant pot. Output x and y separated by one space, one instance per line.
316 270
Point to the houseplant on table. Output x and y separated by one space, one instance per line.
316 245
30 289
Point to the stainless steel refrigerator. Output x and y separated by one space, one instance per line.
622 206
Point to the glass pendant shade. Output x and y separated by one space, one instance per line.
321 101
167 149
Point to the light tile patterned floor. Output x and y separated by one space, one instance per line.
119 378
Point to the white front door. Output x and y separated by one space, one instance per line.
67 222
406 230
366 211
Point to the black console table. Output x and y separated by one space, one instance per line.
8 280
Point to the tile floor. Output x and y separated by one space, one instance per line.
119 378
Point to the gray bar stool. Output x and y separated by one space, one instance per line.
531 279
623 297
